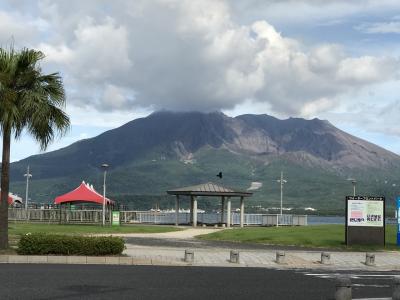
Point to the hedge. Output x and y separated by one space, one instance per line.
43 244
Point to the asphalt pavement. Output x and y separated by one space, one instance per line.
20 281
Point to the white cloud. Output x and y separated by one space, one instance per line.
313 108
114 98
195 55
19 28
98 51
380 27
315 12
122 59
367 70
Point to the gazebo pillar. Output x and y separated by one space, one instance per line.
191 210
222 209
241 211
177 210
228 213
194 201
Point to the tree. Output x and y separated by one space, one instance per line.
29 101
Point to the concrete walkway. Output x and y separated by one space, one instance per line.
384 261
187 233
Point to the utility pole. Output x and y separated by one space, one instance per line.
354 182
104 166
27 175
282 182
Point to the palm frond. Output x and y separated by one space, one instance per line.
29 99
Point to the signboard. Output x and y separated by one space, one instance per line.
365 213
115 218
365 220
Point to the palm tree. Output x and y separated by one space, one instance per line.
29 101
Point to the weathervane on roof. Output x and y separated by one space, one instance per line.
219 175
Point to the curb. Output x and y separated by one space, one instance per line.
82 260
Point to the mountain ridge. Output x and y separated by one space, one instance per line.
171 149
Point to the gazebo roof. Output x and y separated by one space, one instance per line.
83 193
209 189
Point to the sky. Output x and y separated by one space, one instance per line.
121 60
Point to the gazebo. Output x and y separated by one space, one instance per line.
210 189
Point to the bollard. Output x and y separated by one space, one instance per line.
216 226
189 256
204 225
343 288
234 257
370 259
325 258
223 225
280 257
396 288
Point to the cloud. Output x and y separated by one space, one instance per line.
19 28
367 70
380 27
195 55
114 97
314 12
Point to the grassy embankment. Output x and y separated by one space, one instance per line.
18 229
320 236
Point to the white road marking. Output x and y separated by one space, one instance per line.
365 278
372 285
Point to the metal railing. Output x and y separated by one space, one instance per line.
149 217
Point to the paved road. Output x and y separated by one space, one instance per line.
18 281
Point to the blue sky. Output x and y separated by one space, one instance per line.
120 60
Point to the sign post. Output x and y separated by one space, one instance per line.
115 218
365 220
398 219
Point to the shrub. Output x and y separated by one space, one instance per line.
43 244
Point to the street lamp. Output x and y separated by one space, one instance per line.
27 175
353 181
282 182
104 167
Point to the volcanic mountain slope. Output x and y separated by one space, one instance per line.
169 149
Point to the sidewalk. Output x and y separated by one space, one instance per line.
384 261
187 233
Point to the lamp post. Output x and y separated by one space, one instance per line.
282 182
104 167
27 175
353 181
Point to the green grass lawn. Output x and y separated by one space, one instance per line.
23 228
320 236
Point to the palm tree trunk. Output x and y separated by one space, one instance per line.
5 181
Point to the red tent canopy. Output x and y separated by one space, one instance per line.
83 193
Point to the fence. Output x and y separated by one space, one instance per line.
148 217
